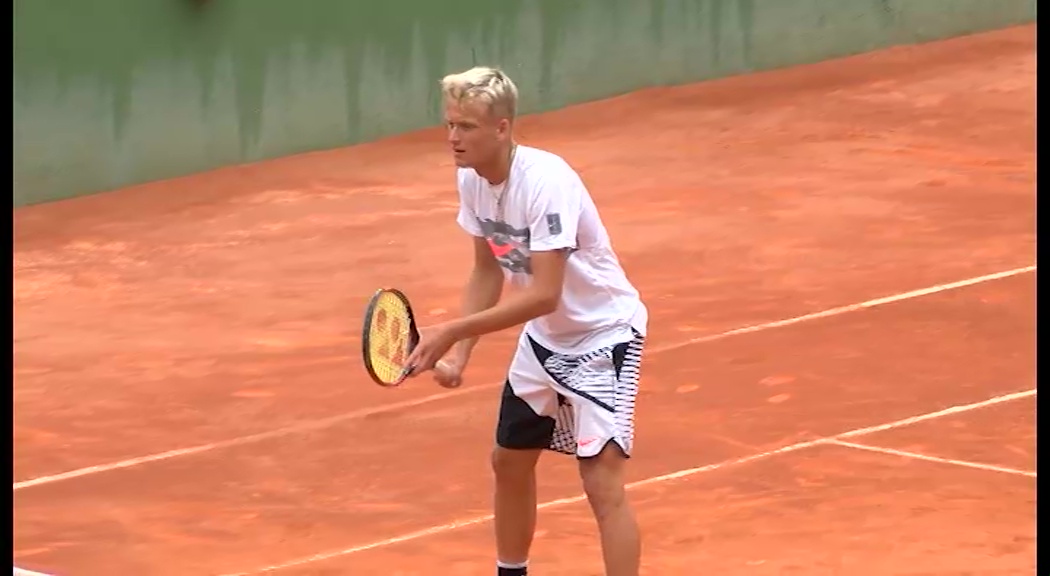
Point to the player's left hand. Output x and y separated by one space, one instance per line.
434 343
448 374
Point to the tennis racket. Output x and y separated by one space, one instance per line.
390 335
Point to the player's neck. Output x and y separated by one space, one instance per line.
497 171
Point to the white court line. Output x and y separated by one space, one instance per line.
23 572
937 414
654 480
303 427
326 422
917 456
854 307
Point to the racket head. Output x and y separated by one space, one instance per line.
389 336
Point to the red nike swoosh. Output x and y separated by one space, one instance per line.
501 250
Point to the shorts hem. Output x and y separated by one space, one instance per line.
601 448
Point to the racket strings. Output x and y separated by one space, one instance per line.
388 338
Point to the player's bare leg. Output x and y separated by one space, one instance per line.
603 482
515 503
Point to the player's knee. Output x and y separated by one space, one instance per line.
603 479
514 466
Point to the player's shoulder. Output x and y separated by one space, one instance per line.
543 163
468 182
465 176
541 167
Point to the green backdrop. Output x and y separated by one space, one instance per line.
115 92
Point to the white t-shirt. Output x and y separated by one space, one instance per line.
547 207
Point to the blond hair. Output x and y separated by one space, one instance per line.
489 85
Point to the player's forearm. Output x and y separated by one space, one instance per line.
482 293
512 311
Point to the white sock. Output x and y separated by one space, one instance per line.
512 565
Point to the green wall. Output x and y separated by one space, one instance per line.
115 92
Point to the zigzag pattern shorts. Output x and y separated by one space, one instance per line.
571 404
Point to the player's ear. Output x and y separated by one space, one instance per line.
503 127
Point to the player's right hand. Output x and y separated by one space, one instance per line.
448 374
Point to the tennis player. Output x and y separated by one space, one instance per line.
572 383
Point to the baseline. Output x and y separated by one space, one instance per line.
23 572
648 481
326 422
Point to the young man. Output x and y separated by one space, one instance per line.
572 384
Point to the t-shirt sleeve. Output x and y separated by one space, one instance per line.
466 218
554 214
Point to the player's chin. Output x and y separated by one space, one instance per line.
461 158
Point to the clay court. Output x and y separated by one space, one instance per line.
839 262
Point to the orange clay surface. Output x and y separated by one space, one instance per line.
189 349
